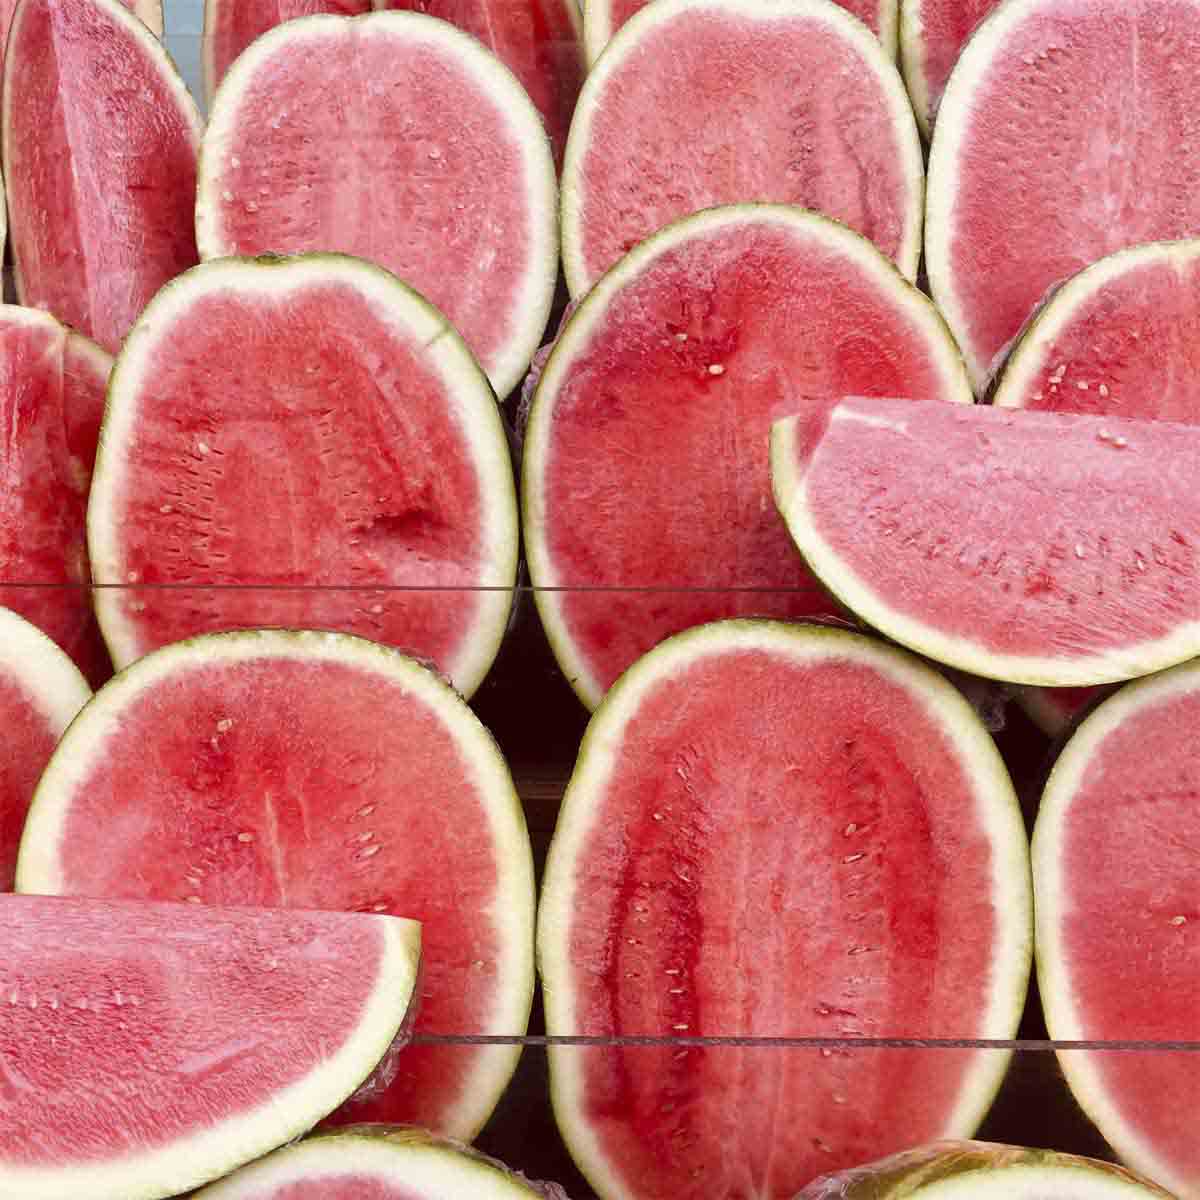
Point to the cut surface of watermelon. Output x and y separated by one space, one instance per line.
100 138
438 168
656 135
351 443
1026 188
1114 875
149 1048
1047 548
40 691
646 486
318 771
778 831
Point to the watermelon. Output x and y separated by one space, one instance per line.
1027 187
978 1170
149 1048
1040 547
312 770
100 138
346 469
778 831
439 170
377 1162
40 691
1054 710
1114 856
646 490
844 143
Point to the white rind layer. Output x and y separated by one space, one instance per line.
48 678
912 62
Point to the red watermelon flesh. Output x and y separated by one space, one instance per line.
100 141
932 35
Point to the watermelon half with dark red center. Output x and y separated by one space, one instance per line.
321 771
646 487
1114 857
100 138
1048 548
1027 186
775 831
698 103
346 469
400 139
149 1048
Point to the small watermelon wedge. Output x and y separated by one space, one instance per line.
150 1048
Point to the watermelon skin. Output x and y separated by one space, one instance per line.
98 222
315 771
194 1028
776 831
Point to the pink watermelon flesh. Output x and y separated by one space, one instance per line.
100 165
51 400
945 27
320 785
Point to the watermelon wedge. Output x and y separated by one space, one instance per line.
1115 877
778 831
100 138
1074 182
440 170
1047 548
316 771
149 1048
646 489
40 691
346 469
656 135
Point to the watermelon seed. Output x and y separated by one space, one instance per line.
224 725
673 971
1181 920
839 1099
235 161
657 816
1104 389
858 950
379 907
826 1053
166 508
1120 443
716 369
366 810
1083 387
851 828
1037 395
852 858
681 337
202 447
679 1028
369 852
193 899
675 991
377 609
252 206
245 837
227 196
1080 552
1059 372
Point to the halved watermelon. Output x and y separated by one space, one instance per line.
149 1048
1048 548
437 167
776 831
1114 857
1027 186
817 117
346 469
100 138
317 771
40 691
647 502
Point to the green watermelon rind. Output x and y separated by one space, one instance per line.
37 870
1062 1017
625 45
447 355
985 771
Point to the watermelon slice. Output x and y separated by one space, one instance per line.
148 1048
844 142
440 170
777 831
100 138
346 469
1114 855
40 691
318 771
1026 187
980 1171
646 490
1048 548
1054 710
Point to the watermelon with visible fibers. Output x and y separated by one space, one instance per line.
1047 548
346 469
1027 184
647 502
100 138
319 771
40 691
437 167
778 831
1114 858
819 119
149 1048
